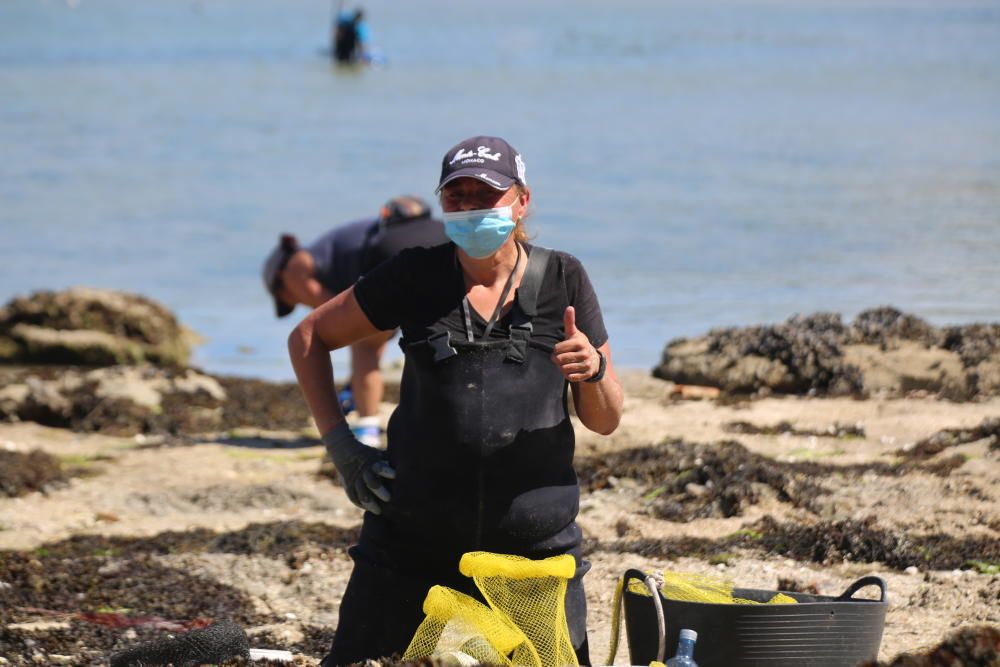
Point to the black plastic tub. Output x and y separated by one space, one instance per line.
818 631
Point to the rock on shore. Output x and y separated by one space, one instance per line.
884 352
121 400
91 327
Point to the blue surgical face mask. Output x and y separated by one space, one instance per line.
479 233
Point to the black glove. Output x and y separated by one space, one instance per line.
361 468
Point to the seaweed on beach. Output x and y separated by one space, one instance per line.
828 542
112 591
274 406
22 473
953 437
835 430
670 548
91 605
864 541
977 646
43 584
293 541
686 481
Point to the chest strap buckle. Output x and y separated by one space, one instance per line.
440 344
517 349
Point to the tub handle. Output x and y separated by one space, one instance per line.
661 620
862 583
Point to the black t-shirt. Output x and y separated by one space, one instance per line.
423 286
387 239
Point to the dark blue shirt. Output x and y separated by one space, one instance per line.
349 251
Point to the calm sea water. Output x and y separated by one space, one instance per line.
711 163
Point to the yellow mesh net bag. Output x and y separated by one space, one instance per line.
532 595
459 629
694 587
525 623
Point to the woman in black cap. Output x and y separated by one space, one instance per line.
480 448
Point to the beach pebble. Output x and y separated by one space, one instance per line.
290 616
695 490
110 568
913 569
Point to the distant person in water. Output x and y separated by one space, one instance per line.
350 38
314 274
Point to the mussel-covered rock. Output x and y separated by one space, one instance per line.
884 351
119 400
91 327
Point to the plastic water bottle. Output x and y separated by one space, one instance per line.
685 650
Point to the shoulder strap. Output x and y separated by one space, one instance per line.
526 306
531 281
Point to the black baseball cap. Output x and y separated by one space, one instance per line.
488 159
287 246
403 208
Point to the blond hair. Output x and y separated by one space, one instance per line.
520 233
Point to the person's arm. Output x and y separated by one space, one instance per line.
599 404
333 325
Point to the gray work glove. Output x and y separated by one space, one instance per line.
361 468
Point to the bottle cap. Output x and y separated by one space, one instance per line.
689 634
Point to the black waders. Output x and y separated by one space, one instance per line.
482 446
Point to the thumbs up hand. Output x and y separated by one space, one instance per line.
575 357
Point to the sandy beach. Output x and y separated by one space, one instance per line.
243 524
